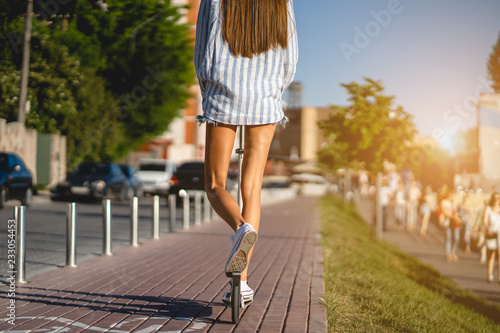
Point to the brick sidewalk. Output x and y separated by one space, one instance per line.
176 284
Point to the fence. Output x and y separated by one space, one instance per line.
195 212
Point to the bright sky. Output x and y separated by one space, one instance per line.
430 54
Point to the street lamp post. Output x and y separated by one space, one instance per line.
21 115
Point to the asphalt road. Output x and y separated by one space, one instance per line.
46 230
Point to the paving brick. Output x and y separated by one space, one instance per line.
177 282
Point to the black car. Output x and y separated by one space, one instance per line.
134 183
189 176
95 180
16 181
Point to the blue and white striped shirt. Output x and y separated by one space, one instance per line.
238 90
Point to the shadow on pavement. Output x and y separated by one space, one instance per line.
150 306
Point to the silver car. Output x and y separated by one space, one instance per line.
155 175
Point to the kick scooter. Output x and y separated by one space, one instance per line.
236 302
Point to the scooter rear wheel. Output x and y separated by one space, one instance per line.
236 297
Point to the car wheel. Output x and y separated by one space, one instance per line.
28 196
3 197
139 193
127 193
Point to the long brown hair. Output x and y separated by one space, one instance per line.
251 27
493 199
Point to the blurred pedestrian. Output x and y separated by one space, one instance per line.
363 184
385 202
414 195
441 195
466 215
400 206
491 222
426 209
452 227
480 230
245 57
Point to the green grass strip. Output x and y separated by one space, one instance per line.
372 286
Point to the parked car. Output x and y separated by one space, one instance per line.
308 178
156 175
276 182
134 183
95 180
16 181
189 176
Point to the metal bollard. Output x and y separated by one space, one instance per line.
197 208
71 235
134 221
155 229
106 236
185 208
172 202
206 206
20 232
378 208
213 213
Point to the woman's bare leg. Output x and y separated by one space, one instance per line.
219 145
257 143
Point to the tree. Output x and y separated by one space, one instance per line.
143 51
368 131
65 98
494 66
107 75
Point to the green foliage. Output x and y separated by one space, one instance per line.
494 66
368 131
108 77
65 98
144 54
371 286
10 81
95 130
150 69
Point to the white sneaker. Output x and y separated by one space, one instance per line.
243 241
246 296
